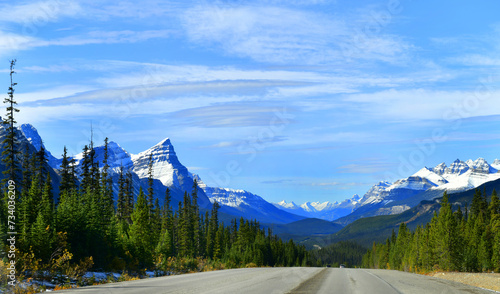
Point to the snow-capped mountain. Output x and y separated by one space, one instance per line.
166 166
426 184
246 204
117 156
323 210
169 172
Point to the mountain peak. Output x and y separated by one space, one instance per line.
440 168
457 167
166 165
32 135
480 165
164 142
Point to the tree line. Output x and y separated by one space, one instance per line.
457 240
83 222
348 253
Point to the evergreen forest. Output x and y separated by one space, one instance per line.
465 240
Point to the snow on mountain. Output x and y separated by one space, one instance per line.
496 164
246 204
432 176
290 205
234 198
166 166
34 139
117 156
481 166
308 207
374 194
426 184
458 167
323 210
459 176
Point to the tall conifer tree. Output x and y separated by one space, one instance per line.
10 143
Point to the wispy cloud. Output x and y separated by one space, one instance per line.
10 42
38 13
106 37
279 181
232 115
286 35
366 167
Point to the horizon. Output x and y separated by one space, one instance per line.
303 101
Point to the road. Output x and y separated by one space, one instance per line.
287 281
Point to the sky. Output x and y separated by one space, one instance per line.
291 100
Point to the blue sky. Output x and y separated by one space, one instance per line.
296 100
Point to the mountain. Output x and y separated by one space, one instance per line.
245 204
325 210
426 184
367 230
168 171
30 145
32 136
385 198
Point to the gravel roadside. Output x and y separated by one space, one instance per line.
482 280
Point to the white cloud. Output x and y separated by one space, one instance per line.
423 104
106 37
10 43
32 15
477 60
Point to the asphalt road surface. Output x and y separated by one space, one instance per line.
289 281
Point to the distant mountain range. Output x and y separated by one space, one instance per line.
325 210
386 198
383 198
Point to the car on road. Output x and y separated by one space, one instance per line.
342 266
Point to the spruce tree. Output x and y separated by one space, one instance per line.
10 143
140 230
150 184
121 204
65 172
129 197
195 220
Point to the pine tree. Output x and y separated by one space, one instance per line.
129 196
10 142
66 177
42 231
86 165
121 205
164 247
494 209
150 184
195 220
213 226
106 187
447 243
140 230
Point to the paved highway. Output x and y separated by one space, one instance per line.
289 281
